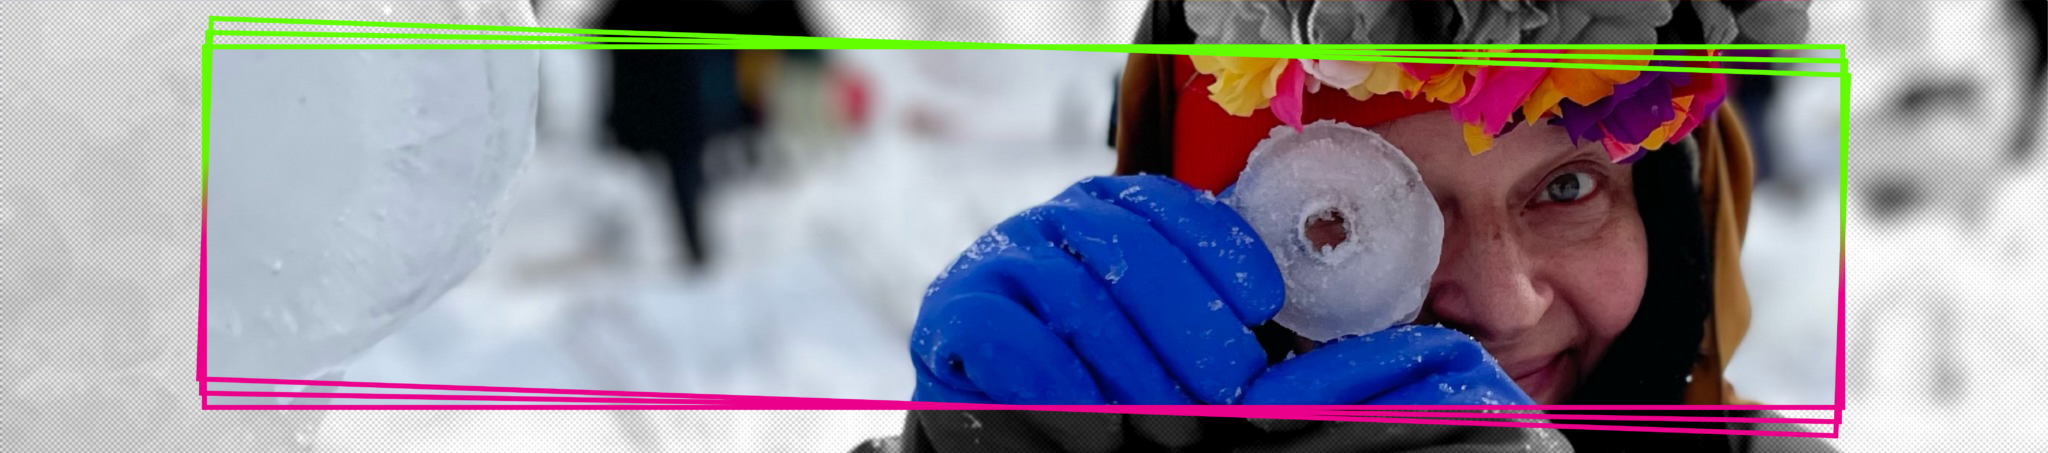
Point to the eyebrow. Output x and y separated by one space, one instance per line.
1585 149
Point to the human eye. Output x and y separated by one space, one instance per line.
1569 187
1571 202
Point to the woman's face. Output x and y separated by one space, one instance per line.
1544 257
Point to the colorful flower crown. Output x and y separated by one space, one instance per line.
1630 112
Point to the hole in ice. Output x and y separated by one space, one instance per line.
1325 230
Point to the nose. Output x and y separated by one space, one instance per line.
1484 284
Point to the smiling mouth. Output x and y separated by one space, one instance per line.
1532 372
1541 378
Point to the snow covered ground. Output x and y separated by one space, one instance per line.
818 276
820 265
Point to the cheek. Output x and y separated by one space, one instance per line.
1603 281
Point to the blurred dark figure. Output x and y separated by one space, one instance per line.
2036 14
667 104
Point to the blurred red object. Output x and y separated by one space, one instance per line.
851 90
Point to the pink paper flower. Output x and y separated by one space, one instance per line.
1496 92
1287 101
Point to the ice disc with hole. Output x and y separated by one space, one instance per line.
1354 230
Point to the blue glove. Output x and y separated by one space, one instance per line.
1121 290
1408 365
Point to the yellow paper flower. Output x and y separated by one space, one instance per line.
1448 86
1476 139
1541 102
1243 85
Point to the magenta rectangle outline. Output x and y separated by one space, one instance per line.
756 403
1453 422
1294 412
665 396
709 401
719 396
1389 411
656 400
717 404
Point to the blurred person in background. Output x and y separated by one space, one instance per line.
1932 81
1658 331
1942 248
671 104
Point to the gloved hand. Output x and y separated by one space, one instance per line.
1096 296
1407 365
1124 290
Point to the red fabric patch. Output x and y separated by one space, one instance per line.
1210 146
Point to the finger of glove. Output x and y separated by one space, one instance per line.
991 344
938 318
1485 385
929 389
1217 241
1204 347
1356 369
954 299
1074 306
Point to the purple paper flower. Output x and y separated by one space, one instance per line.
1634 110
1634 117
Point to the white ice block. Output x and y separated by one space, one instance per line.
1354 230
349 189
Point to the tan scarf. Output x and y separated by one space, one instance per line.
1726 177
